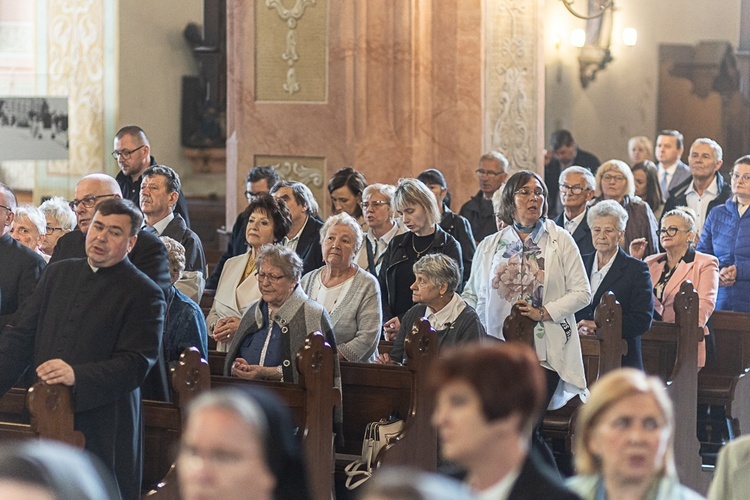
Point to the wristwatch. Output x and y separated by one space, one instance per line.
541 312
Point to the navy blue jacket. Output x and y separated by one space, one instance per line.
630 281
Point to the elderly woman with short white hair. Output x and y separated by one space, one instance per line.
29 228
60 220
437 278
350 294
614 181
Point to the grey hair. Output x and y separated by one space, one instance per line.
586 173
718 152
302 195
346 220
414 192
440 270
386 190
34 215
236 401
608 208
495 156
58 209
685 213
176 255
619 166
282 257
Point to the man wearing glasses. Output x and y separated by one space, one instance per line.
95 324
149 254
133 154
564 153
259 180
577 185
491 174
20 267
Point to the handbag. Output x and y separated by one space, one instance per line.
377 435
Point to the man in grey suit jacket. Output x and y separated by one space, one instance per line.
577 186
672 171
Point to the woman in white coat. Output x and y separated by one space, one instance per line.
269 222
535 264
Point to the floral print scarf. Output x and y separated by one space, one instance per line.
517 273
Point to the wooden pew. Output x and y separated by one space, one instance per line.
371 392
207 300
670 351
163 423
42 411
311 403
722 383
602 353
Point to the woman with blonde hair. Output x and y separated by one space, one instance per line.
624 441
640 148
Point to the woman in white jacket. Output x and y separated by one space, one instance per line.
536 264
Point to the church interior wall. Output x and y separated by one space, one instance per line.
622 101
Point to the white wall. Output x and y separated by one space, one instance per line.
621 102
153 57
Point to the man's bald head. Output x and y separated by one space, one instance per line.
90 190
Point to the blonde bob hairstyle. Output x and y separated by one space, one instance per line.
619 167
606 392
414 192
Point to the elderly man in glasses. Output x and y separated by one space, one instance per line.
149 254
492 173
133 154
20 267
577 186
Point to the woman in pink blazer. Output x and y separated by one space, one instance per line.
681 262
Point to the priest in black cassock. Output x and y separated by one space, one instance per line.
95 324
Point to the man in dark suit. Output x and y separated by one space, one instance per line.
95 324
20 267
259 180
159 193
577 186
672 171
705 188
611 269
564 153
304 235
149 254
133 154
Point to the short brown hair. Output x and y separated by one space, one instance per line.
489 368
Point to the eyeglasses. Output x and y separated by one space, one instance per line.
744 177
273 278
609 177
671 231
125 153
6 208
88 201
572 189
250 194
528 192
51 229
372 204
488 173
